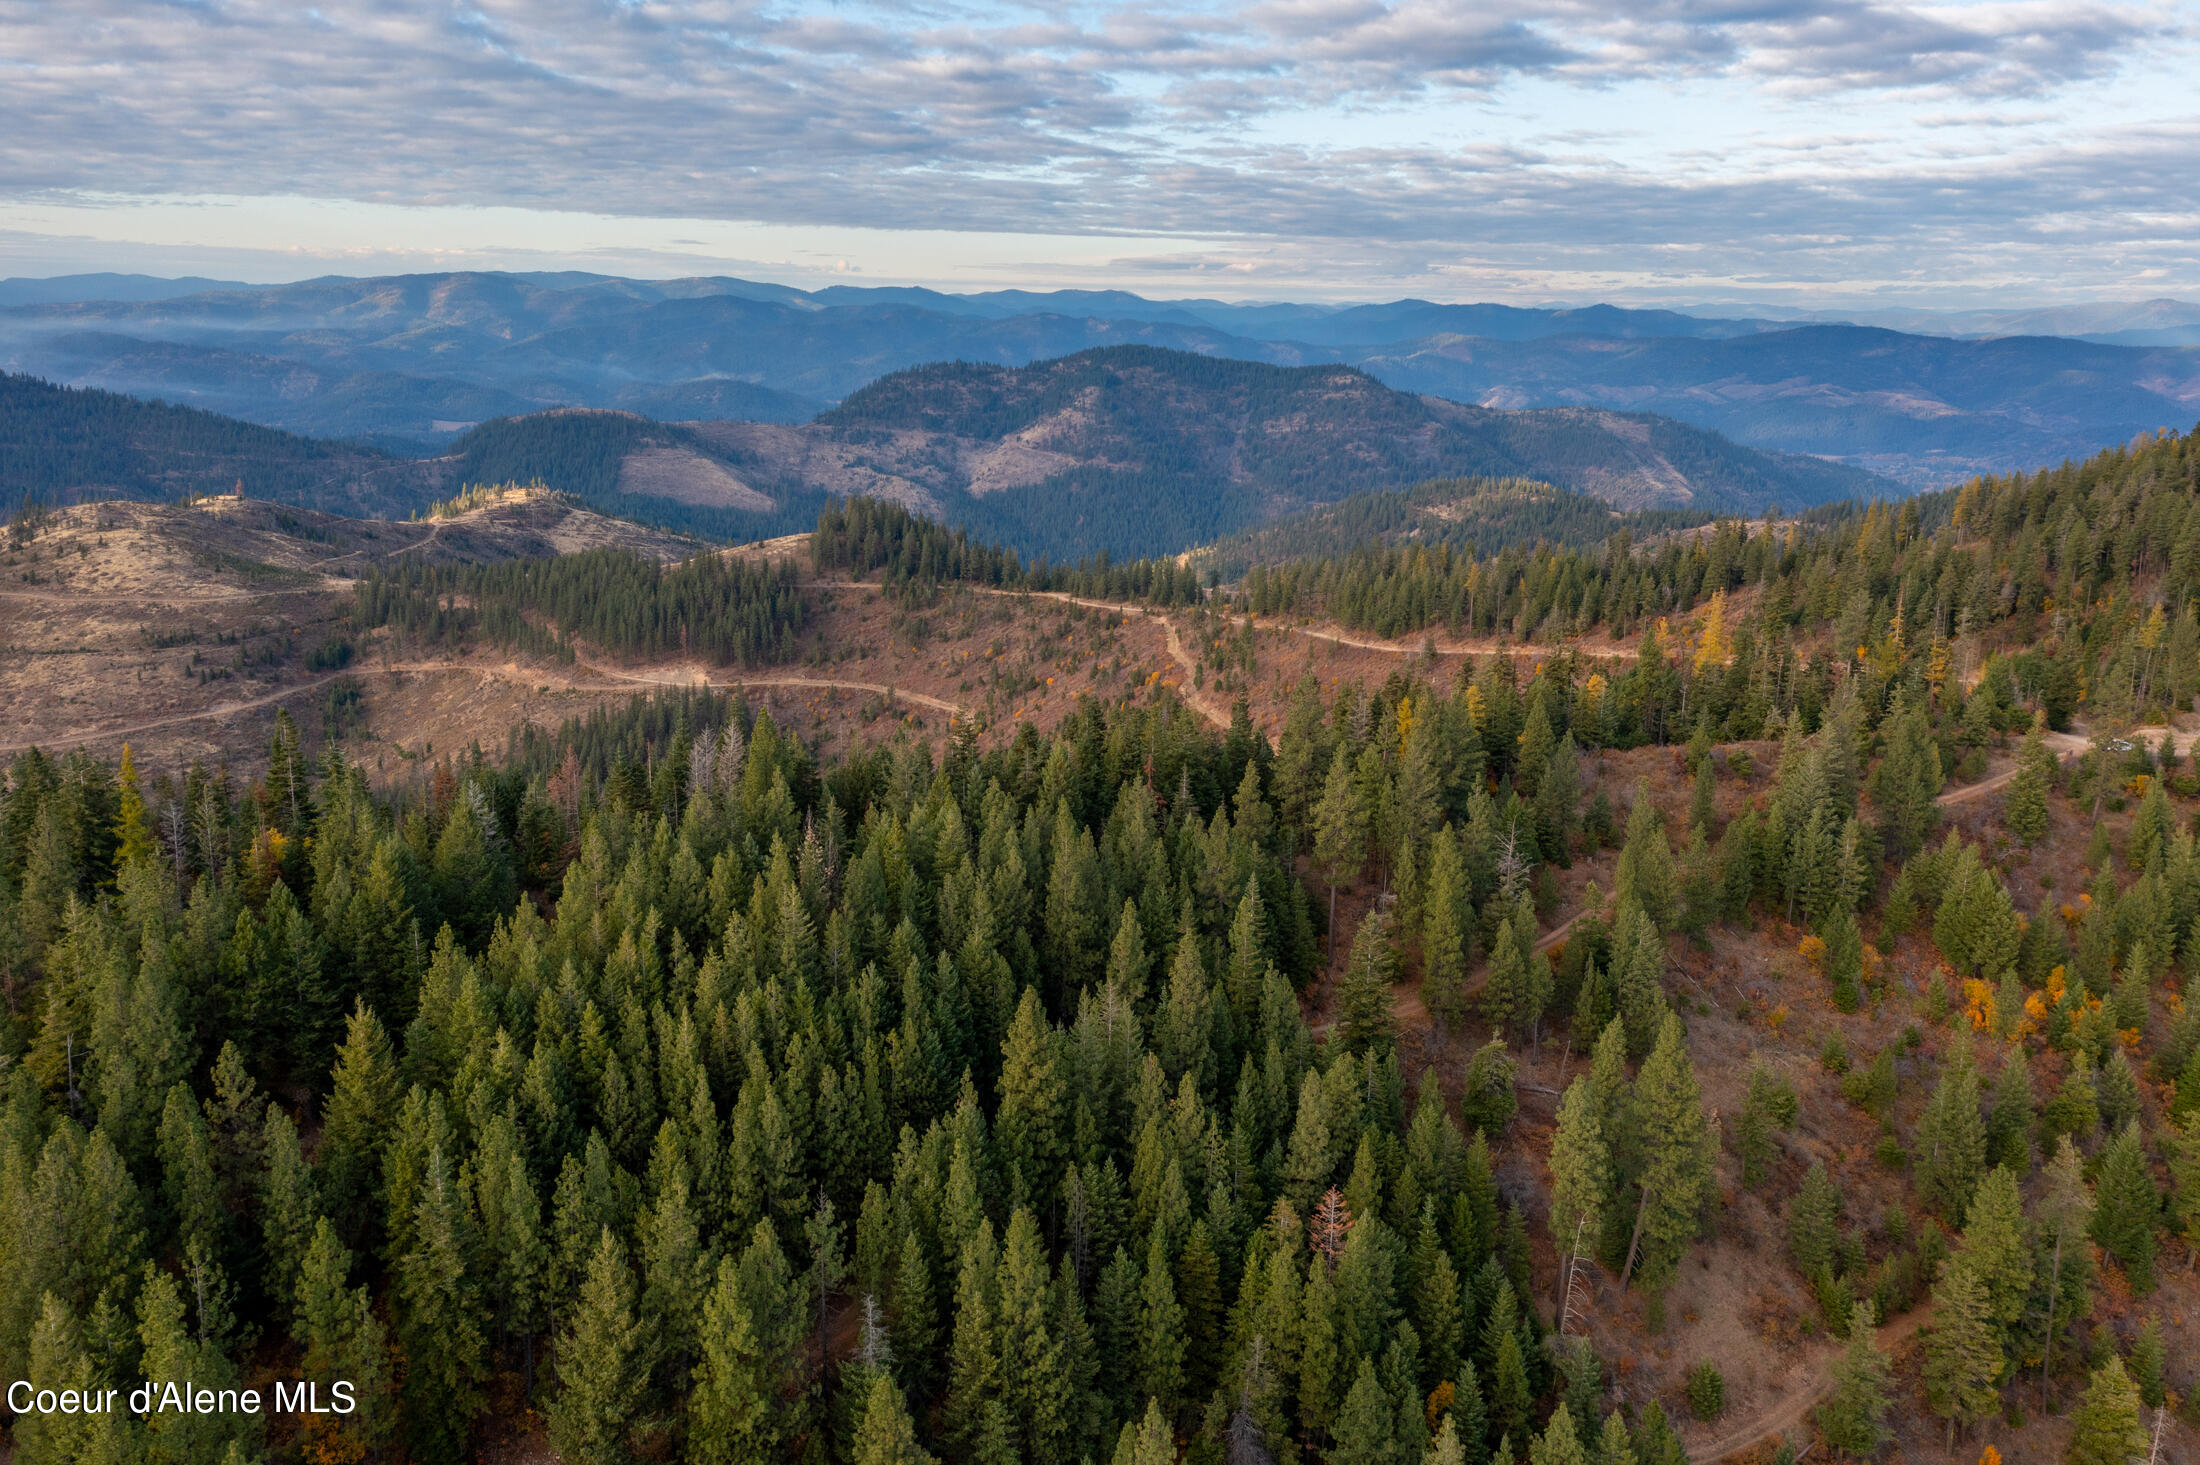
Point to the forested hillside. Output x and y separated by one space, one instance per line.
2100 557
1472 516
62 445
1005 1102
1160 449
618 601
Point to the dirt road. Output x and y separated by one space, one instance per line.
1183 658
2066 745
1792 1410
1483 647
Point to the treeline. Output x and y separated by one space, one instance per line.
717 607
58 442
1471 516
860 535
2104 554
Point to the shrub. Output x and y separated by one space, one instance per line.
1706 1392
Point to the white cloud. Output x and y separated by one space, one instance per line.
1845 138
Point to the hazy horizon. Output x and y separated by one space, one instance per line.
1815 154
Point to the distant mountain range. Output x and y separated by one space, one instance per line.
412 362
1130 450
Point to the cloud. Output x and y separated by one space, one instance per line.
1373 130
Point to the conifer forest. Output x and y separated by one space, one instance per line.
1143 1088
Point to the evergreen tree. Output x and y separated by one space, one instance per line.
1519 983
2128 1208
362 1108
1559 1444
753 1327
1951 1138
1907 781
602 1365
1963 1353
886 1436
440 1321
1365 1428
1676 1154
2024 807
1445 948
1854 1416
1581 1171
1161 1340
1366 1011
2148 1359
1997 1249
1340 830
2106 1430
1646 875
2066 1216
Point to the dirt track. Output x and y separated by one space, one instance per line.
2066 746
1792 1410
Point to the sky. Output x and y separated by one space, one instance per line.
1807 153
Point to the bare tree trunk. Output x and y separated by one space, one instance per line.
1634 1243
2054 1294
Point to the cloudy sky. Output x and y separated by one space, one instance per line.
1804 152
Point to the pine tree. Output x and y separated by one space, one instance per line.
602 1364
753 1327
1814 1222
2066 1216
886 1436
1340 830
440 1321
1033 1099
1364 1429
133 826
1445 1449
1646 875
1519 983
1444 941
1366 1010
2183 1138
1676 1154
1963 1353
1854 1416
362 1108
171 1354
2024 807
289 1209
1581 1171
1996 1247
1148 1442
1511 1395
2106 1430
341 1336
1161 1339
2128 1208
1614 1447
1951 1138
1559 1444
2149 1358
1907 781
